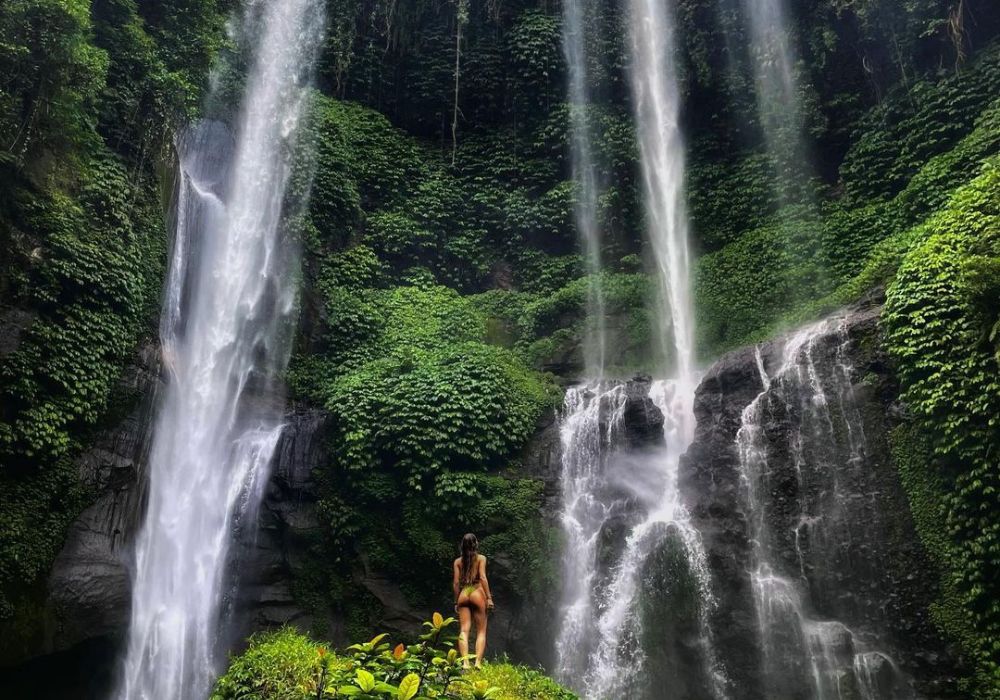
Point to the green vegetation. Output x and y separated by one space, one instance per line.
804 261
285 665
919 213
89 94
443 290
942 325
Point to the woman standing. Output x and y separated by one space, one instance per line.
472 597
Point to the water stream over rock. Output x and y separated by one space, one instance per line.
819 638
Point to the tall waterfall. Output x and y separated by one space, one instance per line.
819 637
656 99
631 550
586 178
229 302
774 58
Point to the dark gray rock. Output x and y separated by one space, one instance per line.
873 576
13 323
88 586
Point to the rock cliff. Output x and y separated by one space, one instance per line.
867 566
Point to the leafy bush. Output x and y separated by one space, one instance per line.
53 75
285 665
898 138
942 322
461 407
781 272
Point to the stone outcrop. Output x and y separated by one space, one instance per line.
885 549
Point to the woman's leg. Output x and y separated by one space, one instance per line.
478 600
465 624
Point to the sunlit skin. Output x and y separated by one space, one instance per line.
472 597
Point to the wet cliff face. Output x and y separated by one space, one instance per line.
820 582
87 597
859 564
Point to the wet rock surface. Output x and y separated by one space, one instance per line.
87 600
864 572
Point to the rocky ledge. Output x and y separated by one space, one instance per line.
869 569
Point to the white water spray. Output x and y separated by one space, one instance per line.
590 425
774 58
228 307
656 98
601 641
586 178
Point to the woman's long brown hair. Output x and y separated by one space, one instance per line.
470 548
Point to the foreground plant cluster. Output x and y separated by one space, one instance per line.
286 665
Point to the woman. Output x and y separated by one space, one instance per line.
472 597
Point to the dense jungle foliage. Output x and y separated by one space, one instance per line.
285 665
443 291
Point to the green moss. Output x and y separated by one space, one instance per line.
927 494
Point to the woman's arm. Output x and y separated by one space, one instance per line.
454 581
486 583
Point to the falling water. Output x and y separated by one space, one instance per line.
810 523
641 621
619 664
591 424
586 178
656 98
229 301
774 58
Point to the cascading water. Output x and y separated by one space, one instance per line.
591 424
663 562
586 178
616 640
779 106
229 301
656 98
819 638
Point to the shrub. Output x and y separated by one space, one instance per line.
941 321
286 665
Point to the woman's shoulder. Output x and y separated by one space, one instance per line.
482 557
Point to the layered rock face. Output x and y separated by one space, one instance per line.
820 582
863 563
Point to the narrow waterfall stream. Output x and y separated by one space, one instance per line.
584 167
774 61
230 297
820 637
590 427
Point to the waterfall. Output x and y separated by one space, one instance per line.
228 308
586 178
590 425
620 664
820 637
656 98
637 592
779 107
